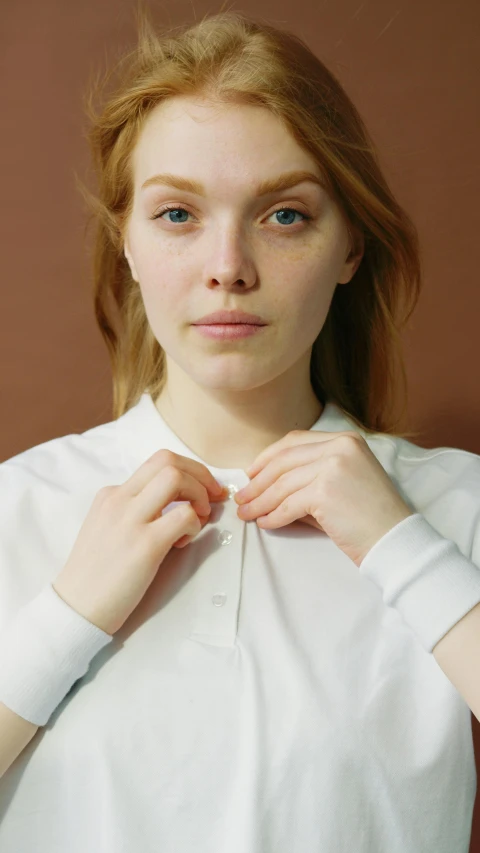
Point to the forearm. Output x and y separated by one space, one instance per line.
458 654
15 734
436 589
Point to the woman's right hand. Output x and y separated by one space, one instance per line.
125 537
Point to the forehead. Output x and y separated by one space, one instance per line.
216 141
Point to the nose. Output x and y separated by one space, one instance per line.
232 269
231 263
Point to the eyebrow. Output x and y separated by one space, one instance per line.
283 182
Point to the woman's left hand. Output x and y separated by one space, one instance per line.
331 481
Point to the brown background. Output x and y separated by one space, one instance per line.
412 68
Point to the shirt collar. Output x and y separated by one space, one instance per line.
142 431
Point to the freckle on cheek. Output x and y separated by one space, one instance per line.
298 253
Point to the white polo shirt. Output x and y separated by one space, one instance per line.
262 697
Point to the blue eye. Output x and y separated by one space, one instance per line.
173 209
168 209
290 210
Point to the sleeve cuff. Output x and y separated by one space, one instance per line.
424 576
44 650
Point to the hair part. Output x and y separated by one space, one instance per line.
229 58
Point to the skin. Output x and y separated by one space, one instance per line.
228 400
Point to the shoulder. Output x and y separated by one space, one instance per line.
67 462
45 494
441 483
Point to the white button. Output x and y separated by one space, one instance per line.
225 537
219 599
232 489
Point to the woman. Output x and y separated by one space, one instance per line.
252 691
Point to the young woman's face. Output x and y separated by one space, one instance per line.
224 246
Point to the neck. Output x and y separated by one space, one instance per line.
229 429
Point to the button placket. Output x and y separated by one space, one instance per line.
225 537
218 584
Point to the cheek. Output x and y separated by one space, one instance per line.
164 291
162 299
316 297
319 256
305 299
309 282
161 273
156 257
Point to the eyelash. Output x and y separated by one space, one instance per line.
306 218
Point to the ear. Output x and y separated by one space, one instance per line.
354 256
126 251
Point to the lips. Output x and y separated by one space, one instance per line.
229 331
230 318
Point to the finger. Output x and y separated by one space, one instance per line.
291 509
261 460
282 494
150 468
269 452
268 496
292 441
171 485
275 451
309 519
297 462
